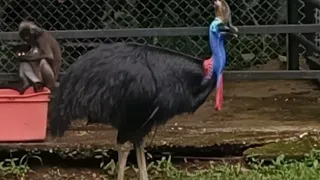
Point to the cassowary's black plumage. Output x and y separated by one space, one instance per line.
134 87
123 84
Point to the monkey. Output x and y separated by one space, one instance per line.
43 61
28 75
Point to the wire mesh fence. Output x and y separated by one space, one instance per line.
317 37
246 51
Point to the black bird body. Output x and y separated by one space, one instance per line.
134 87
130 86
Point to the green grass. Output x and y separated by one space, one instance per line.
281 168
17 168
293 171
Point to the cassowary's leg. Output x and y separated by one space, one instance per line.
123 152
141 161
138 160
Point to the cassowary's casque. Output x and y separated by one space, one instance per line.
134 87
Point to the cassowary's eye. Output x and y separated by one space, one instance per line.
220 25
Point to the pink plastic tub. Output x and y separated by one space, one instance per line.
23 117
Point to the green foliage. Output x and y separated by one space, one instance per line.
16 167
279 169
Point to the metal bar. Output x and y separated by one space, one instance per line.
309 18
315 3
83 44
180 31
70 44
307 43
292 43
233 75
272 75
310 46
314 63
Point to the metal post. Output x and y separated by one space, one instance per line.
292 43
309 11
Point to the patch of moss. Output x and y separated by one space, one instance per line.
291 149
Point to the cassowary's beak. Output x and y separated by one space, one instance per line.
229 29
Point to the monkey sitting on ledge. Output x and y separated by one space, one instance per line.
41 64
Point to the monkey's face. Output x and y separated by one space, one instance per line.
27 36
29 32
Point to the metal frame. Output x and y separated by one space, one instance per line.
232 75
178 31
291 28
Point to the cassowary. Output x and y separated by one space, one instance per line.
134 87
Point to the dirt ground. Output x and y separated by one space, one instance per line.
252 112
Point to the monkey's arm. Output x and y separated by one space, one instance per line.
34 57
45 52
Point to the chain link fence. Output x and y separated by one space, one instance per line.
317 36
247 51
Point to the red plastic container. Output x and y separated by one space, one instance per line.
23 117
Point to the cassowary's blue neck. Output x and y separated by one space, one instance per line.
217 47
213 67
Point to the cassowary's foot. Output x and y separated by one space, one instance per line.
141 159
123 152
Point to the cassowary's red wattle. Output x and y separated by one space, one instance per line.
207 67
219 94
